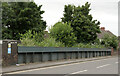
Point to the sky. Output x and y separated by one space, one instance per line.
105 11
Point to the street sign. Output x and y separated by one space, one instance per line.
9 45
9 50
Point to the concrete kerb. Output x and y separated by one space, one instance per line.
50 64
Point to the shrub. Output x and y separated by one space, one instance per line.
27 42
50 42
63 32
30 38
110 41
83 45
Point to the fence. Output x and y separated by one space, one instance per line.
40 54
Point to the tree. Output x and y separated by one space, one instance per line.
84 27
68 11
110 41
19 17
63 32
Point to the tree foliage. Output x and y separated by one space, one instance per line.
63 32
110 41
68 11
88 45
18 17
51 42
84 27
29 39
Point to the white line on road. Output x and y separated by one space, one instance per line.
116 62
76 72
102 66
79 72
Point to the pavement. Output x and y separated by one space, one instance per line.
35 68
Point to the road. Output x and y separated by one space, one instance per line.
103 66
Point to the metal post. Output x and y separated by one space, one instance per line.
66 55
57 56
42 57
78 55
33 58
25 57
88 56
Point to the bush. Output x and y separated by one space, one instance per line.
30 38
63 32
110 41
50 42
82 45
27 42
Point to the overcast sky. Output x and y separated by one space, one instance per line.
105 11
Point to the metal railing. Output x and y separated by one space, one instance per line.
43 54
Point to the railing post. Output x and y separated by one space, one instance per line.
99 53
57 56
50 56
25 57
102 53
78 55
66 55
33 58
42 57
93 54
87 54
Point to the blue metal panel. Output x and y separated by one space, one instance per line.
37 57
83 54
60 56
54 56
73 55
91 54
29 58
45 57
20 58
68 55
79 55
88 54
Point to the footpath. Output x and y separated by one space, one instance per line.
21 67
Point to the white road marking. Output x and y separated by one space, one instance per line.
79 72
102 66
116 62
